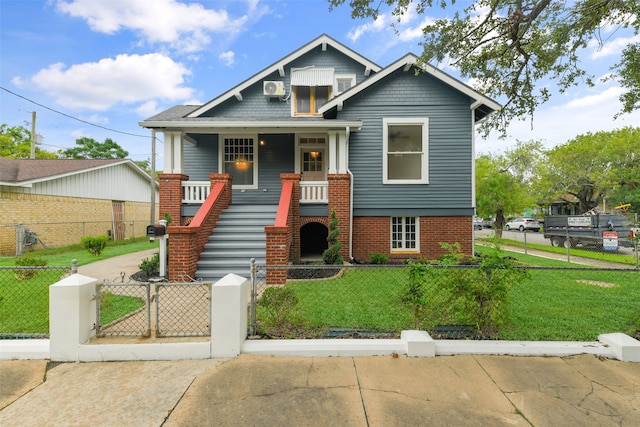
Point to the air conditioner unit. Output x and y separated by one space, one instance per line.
273 88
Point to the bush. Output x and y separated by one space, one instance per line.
378 258
95 245
151 266
332 254
28 262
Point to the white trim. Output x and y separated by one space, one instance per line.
190 126
279 67
221 161
409 60
424 161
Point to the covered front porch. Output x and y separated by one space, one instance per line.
303 172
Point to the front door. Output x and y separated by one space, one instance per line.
312 164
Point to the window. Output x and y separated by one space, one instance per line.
405 234
309 98
343 82
239 161
405 151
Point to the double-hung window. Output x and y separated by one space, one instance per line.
405 234
239 160
405 144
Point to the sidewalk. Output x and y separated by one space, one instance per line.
112 269
336 391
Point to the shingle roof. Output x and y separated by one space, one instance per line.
22 170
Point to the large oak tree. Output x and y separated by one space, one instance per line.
510 48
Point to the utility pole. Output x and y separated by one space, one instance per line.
33 135
153 177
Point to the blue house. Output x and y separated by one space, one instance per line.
258 170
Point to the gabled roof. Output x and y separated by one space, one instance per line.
25 172
324 40
483 105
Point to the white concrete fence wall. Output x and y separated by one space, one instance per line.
72 307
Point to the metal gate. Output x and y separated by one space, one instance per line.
163 309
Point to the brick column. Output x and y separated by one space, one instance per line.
340 201
227 179
294 215
171 196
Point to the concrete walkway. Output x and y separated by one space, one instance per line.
334 391
113 269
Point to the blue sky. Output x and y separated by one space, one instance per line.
114 63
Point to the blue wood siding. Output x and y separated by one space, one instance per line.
402 94
255 104
276 156
201 160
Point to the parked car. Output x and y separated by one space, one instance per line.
478 223
523 223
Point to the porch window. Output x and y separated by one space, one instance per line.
405 150
405 234
239 161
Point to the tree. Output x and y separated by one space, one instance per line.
332 254
89 148
593 166
508 46
15 143
504 182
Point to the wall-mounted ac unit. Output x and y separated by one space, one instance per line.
273 88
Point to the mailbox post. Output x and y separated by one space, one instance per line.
159 232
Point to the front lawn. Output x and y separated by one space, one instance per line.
557 302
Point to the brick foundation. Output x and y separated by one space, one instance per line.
340 200
373 234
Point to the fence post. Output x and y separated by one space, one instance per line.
567 244
229 315
525 241
19 239
252 309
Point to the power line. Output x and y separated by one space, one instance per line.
74 118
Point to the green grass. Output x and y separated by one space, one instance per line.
553 304
583 253
113 306
24 304
63 256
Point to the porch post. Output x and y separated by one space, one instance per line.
342 152
173 152
333 154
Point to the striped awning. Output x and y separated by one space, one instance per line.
312 77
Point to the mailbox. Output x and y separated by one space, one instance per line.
156 230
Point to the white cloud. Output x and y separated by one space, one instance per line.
125 79
185 27
148 109
227 58
613 47
376 26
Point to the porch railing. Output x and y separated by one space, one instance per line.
195 191
310 191
314 192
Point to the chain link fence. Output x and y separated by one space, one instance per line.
24 300
17 239
164 309
598 247
461 302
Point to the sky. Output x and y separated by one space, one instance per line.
96 68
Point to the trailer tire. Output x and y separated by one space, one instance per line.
557 242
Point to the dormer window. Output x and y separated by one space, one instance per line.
309 98
311 88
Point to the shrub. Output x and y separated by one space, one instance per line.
28 262
378 258
95 245
151 266
332 254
